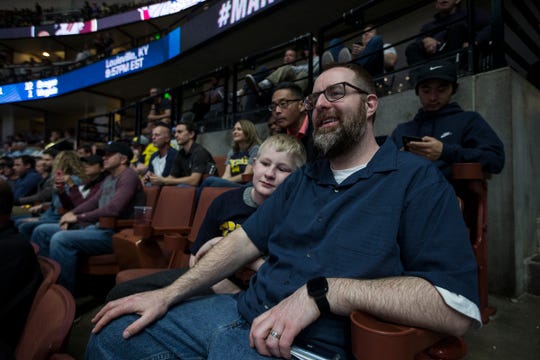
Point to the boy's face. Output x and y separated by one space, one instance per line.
434 94
270 169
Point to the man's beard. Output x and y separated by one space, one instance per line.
338 140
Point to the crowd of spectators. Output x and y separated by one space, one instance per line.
38 15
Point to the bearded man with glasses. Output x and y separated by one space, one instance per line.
366 227
287 108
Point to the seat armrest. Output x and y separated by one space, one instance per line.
467 171
247 178
111 222
182 230
374 339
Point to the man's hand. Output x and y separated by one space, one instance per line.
149 305
357 49
429 147
430 44
156 180
273 332
36 209
146 177
66 219
140 168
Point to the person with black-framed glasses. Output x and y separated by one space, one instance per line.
332 93
287 108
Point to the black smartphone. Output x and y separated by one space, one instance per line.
302 350
406 139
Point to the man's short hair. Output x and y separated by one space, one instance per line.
52 151
365 80
190 126
288 144
295 89
164 125
27 160
86 147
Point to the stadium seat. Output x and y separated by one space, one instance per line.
176 242
107 264
48 325
151 246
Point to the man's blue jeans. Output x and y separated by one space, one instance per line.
65 245
201 328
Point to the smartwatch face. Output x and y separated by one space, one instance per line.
318 287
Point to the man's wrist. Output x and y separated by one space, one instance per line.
317 289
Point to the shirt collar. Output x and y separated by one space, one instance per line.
384 160
303 129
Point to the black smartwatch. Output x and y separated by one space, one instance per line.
317 289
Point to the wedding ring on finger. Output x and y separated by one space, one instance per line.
274 334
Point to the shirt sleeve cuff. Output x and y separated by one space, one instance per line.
462 305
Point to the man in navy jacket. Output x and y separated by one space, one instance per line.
445 133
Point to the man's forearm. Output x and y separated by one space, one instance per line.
403 300
193 180
221 261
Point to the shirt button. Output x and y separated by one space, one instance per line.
336 190
308 255
266 307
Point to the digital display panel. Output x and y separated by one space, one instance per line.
220 17
125 63
143 13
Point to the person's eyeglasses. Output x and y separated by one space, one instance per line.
331 93
283 104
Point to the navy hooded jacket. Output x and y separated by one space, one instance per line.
465 135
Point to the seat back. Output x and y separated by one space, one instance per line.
220 164
48 325
471 186
151 246
50 270
152 194
208 195
177 243
174 207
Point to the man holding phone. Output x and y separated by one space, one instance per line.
442 131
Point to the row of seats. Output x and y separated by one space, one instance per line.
173 209
163 243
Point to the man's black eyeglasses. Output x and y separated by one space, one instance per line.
331 93
283 104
